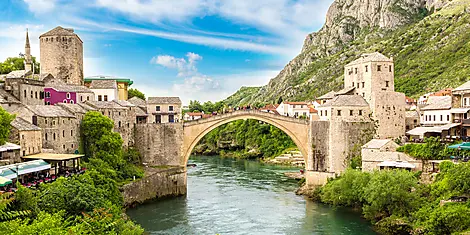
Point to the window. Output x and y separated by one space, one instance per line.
41 95
67 95
157 108
63 146
72 146
441 118
158 119
379 68
54 136
48 94
171 118
24 93
390 68
426 118
170 108
355 70
352 84
31 94
72 102
360 112
434 117
351 112
81 98
326 112
99 98
339 112
448 117
65 101
464 101
321 112
363 84
88 98
358 85
386 84
119 113
119 124
36 94
48 103
363 94
367 68
105 98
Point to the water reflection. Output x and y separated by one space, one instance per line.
228 196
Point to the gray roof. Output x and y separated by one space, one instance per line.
124 103
86 107
68 88
59 31
371 57
344 91
75 108
377 144
105 105
163 100
137 101
7 98
346 100
103 84
412 113
463 87
329 95
141 112
17 74
23 125
438 103
50 111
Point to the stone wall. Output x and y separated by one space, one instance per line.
62 134
156 183
160 144
30 140
371 158
319 131
27 91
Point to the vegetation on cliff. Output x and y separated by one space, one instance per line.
396 203
90 203
430 53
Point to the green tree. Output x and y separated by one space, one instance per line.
195 105
135 93
17 63
5 120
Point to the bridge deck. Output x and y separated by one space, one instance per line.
246 113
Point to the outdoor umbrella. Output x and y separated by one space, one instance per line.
4 181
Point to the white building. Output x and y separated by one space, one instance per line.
293 109
192 116
437 111
105 90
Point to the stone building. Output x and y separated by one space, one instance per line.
60 128
382 153
293 109
164 109
61 53
9 154
78 110
8 102
123 116
104 90
372 77
26 135
437 111
27 91
412 120
123 85
141 109
345 108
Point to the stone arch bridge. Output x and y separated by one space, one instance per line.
325 145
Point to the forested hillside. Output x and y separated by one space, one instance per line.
430 44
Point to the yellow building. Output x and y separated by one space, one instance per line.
122 84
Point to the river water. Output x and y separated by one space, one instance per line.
228 196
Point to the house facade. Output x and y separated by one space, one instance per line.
27 136
293 109
68 94
164 109
122 86
104 90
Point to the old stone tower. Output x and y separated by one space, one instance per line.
62 55
28 61
372 77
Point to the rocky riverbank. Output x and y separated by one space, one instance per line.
291 158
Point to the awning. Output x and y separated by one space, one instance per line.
9 171
462 146
9 146
4 181
449 126
420 131
459 110
53 156
396 164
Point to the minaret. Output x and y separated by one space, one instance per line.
28 62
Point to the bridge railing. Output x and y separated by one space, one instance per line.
245 113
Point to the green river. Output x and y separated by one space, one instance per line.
229 196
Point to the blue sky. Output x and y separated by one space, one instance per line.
195 49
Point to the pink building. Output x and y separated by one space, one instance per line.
65 93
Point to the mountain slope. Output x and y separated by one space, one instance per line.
430 46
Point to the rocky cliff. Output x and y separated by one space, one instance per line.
354 27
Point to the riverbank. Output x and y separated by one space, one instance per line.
395 202
158 182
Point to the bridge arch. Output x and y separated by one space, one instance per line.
194 131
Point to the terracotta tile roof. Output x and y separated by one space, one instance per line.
443 92
103 84
163 100
23 125
346 100
195 114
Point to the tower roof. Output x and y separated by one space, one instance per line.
371 57
27 40
60 31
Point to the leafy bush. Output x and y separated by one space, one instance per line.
346 190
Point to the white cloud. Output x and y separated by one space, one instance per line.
185 67
40 6
13 36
